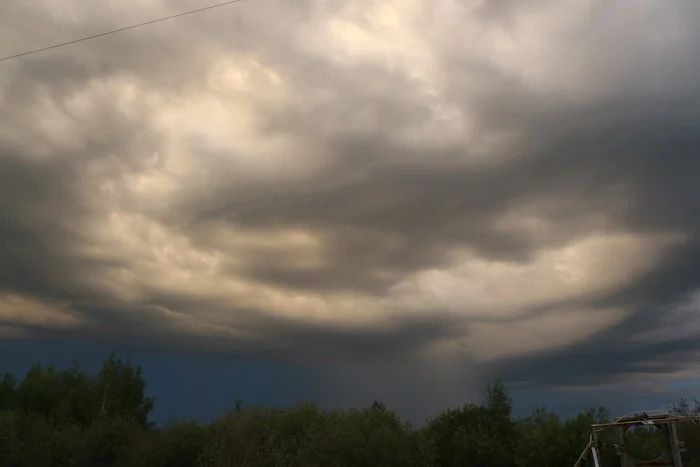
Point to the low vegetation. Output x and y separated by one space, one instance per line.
72 418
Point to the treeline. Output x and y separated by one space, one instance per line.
55 418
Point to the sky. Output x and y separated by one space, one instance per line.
349 200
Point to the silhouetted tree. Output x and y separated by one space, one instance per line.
69 417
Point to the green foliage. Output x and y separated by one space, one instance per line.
645 443
70 446
122 391
478 435
8 391
10 444
74 419
110 441
179 443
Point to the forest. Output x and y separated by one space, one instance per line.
69 417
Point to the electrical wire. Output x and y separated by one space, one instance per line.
115 31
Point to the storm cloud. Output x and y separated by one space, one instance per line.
453 189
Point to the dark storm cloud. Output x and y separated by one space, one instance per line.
619 157
624 349
648 162
639 175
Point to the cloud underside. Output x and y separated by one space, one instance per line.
510 185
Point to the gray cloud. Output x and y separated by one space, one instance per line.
504 188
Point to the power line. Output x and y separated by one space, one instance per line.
126 28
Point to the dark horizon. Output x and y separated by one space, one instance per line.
202 387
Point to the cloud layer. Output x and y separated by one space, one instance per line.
500 186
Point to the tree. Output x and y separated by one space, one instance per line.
482 435
540 440
180 443
109 441
10 444
69 446
683 408
121 390
8 391
76 401
37 393
72 418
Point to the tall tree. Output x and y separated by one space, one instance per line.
121 390
8 391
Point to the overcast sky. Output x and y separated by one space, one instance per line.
402 199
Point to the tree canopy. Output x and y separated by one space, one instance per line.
70 417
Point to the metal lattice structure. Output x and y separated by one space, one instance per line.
664 422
